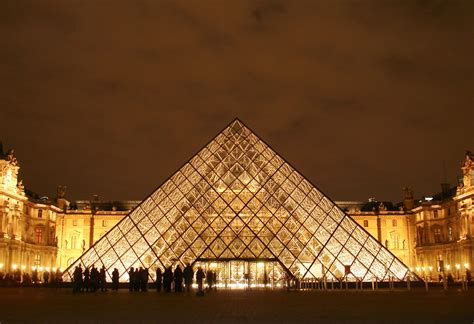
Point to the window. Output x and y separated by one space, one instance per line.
104 223
449 211
39 236
40 213
435 214
394 222
366 223
73 241
450 233
37 260
74 222
437 234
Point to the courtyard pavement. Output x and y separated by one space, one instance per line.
39 305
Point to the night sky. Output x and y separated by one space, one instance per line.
362 97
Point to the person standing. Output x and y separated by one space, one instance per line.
199 278
86 279
178 279
159 279
144 279
46 277
103 279
115 279
209 279
188 274
167 279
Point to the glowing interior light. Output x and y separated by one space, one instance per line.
14 267
237 199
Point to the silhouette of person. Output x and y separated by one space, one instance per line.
199 278
115 279
77 278
468 275
209 279
86 279
167 279
94 280
103 279
144 279
131 279
188 274
178 279
159 279
46 277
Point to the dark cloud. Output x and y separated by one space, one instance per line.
363 97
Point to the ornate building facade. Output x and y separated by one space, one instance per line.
430 235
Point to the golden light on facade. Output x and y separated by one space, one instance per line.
14 266
237 200
431 268
448 267
1 265
466 265
458 266
23 267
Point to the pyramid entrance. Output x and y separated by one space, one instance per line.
239 207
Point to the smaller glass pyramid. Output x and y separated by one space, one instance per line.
238 200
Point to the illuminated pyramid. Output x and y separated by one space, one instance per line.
238 200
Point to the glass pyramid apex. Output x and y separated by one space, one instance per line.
237 199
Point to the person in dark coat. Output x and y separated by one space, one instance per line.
103 279
144 279
77 278
178 279
188 274
46 277
167 279
131 279
159 279
115 279
468 275
34 276
199 278
94 281
86 284
138 279
209 279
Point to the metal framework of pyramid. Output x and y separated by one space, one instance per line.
238 199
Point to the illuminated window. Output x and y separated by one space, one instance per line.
435 214
73 241
450 233
104 223
394 222
40 213
437 234
37 259
366 223
39 236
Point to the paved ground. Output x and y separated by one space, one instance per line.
60 305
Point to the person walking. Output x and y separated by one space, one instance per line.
178 279
94 281
188 274
115 279
46 277
159 279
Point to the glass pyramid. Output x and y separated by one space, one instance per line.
236 199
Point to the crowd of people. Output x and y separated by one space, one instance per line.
18 278
91 280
